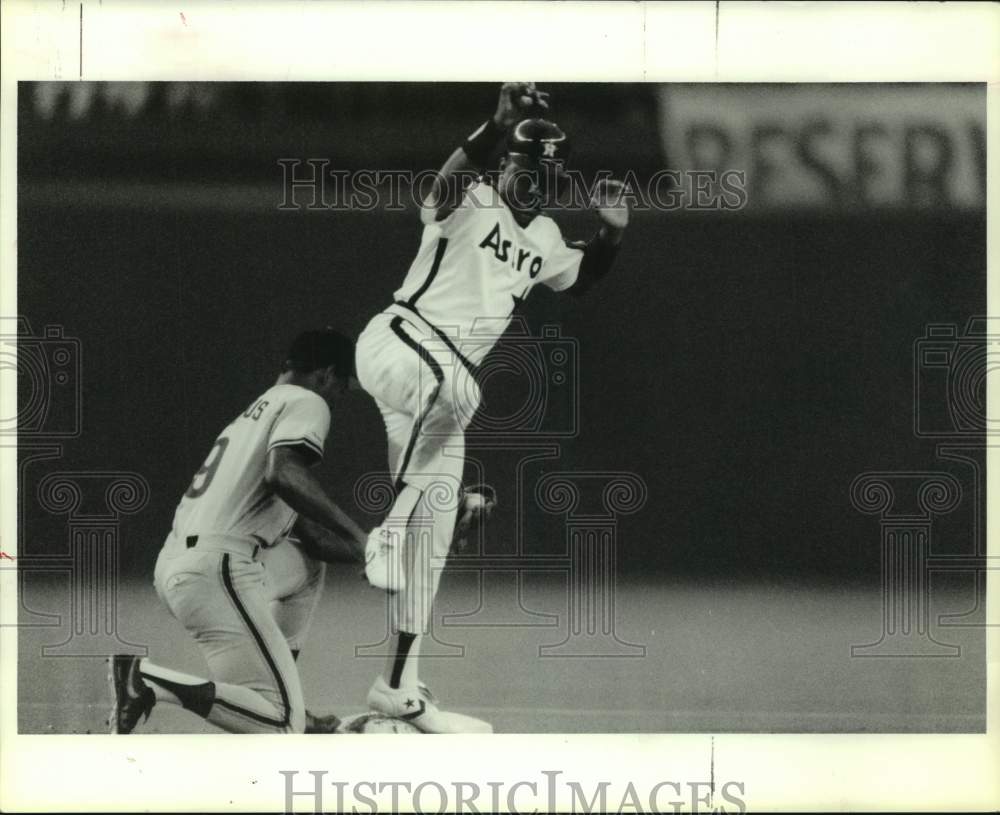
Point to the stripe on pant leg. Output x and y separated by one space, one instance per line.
286 714
432 363
246 713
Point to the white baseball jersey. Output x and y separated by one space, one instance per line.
228 497
476 265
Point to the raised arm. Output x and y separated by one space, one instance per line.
288 474
517 100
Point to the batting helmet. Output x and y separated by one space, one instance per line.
540 139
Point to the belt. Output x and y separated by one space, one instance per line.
215 544
403 309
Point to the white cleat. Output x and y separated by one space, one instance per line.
384 560
418 706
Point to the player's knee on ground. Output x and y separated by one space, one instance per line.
297 720
296 717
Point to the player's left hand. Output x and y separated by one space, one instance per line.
611 204
518 100
477 505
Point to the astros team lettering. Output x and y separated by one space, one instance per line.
501 250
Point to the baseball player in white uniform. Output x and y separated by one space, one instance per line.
211 570
483 248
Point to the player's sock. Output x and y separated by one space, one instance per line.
409 675
401 665
190 692
232 707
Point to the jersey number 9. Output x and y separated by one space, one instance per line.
207 471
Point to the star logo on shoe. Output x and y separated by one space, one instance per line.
413 714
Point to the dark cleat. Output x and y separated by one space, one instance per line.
321 724
132 697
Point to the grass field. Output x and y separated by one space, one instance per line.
718 658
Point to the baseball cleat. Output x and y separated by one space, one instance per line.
418 706
322 724
132 698
384 560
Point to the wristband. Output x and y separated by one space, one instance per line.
481 144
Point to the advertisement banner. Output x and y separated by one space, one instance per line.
842 147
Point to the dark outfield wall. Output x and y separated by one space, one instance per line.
746 369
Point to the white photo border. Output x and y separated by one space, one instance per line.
291 41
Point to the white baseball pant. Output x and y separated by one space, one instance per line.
427 398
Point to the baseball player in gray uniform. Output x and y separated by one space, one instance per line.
247 617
